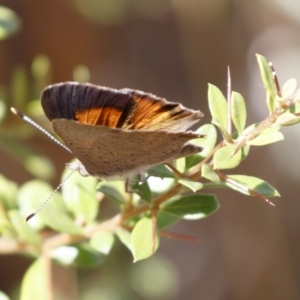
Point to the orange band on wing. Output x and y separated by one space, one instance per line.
108 116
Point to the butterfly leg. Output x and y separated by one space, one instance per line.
136 185
129 186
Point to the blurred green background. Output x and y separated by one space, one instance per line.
172 48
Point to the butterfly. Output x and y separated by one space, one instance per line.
118 133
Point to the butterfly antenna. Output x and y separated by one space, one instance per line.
31 122
49 197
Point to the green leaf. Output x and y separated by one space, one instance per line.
34 107
125 237
6 228
209 173
258 185
296 96
268 80
294 108
287 119
192 207
218 108
81 255
8 193
142 240
270 102
161 171
289 88
111 193
238 111
19 86
32 195
192 160
160 185
224 158
249 129
145 191
155 278
192 185
9 22
165 219
3 108
41 73
81 73
102 242
208 143
36 280
180 164
65 255
3 296
79 195
40 66
24 230
87 257
267 136
38 165
59 221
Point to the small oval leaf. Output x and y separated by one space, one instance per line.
79 195
192 207
30 197
24 230
267 136
218 107
287 119
3 296
238 111
268 80
39 166
8 193
81 255
66 255
111 193
35 281
180 164
87 257
208 173
30 159
165 219
9 22
256 184
41 69
142 239
154 279
159 185
294 108
289 88
6 227
207 143
3 108
125 237
192 185
161 171
144 191
224 158
270 102
102 242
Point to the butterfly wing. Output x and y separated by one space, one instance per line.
125 108
111 152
